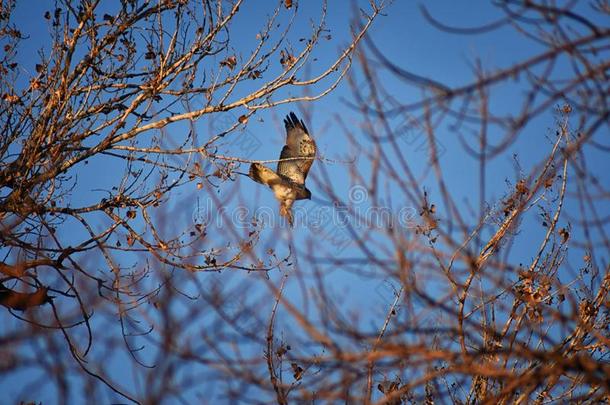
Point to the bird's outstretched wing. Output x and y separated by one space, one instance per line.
288 183
295 128
298 144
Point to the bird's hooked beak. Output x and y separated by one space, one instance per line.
307 193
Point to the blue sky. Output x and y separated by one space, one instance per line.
409 41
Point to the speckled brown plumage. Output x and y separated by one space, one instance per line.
288 182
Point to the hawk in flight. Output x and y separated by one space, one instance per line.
288 181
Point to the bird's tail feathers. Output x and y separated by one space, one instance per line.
286 212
